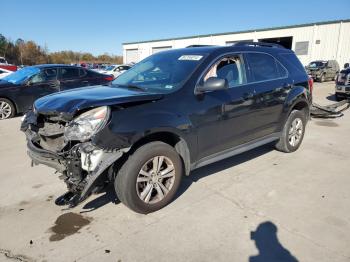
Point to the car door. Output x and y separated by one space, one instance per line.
69 78
271 85
39 85
224 117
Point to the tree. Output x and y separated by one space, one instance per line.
29 53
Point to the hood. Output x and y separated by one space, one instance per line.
68 103
4 84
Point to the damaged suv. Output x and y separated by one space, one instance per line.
173 112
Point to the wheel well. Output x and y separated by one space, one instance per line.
302 106
14 104
171 139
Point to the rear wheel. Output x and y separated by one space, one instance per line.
293 132
7 109
150 177
322 78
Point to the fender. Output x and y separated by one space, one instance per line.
298 94
135 125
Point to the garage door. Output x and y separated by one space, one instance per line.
159 49
132 56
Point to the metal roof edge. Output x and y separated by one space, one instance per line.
240 32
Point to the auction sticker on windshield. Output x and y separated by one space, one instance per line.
190 57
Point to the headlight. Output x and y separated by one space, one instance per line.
84 126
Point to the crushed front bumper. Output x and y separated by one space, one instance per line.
80 167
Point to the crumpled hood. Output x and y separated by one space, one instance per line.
67 103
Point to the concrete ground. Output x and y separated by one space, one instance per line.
252 207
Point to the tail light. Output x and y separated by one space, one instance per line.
311 84
109 78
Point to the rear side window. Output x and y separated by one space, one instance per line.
68 73
295 67
264 67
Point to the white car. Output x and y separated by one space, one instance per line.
4 72
116 70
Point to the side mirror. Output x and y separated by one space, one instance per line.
212 84
346 65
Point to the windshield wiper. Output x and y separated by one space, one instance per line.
132 87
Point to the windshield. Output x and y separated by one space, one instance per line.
162 72
317 64
109 68
21 75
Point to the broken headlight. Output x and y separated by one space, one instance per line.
84 126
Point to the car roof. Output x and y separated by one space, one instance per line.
239 47
55 65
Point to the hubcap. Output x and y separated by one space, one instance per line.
295 132
5 110
155 179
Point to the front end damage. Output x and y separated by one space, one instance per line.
59 142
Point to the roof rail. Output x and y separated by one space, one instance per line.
262 44
198 46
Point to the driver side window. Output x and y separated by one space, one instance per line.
230 68
44 76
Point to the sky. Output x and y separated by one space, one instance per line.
101 26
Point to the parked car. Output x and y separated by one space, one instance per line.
342 87
5 65
19 90
323 70
116 70
4 72
171 113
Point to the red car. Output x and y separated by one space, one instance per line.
5 65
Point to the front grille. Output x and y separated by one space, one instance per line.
348 80
347 88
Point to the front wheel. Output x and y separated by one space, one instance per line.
7 109
293 132
149 178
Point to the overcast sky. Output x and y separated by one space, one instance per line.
98 26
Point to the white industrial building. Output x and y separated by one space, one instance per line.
315 41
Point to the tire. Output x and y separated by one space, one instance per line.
335 76
322 78
132 193
7 109
285 142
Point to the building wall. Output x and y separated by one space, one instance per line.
325 41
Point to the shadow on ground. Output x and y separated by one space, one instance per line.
211 169
109 196
270 249
331 97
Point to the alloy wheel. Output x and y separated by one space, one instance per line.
155 179
295 132
5 110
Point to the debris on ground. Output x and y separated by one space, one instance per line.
331 111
